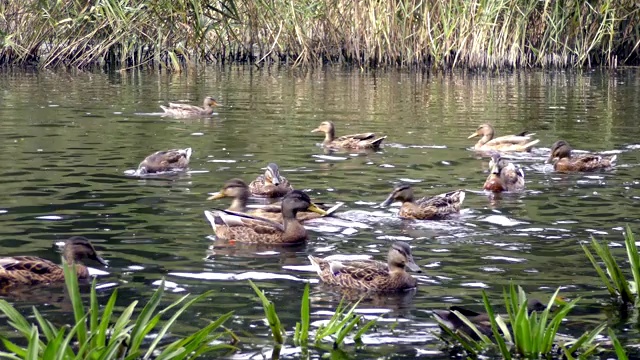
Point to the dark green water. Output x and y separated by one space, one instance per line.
68 138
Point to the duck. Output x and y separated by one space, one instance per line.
448 319
518 142
427 208
164 161
504 175
271 184
563 161
238 190
31 270
371 275
185 110
353 141
246 228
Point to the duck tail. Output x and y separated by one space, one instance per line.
315 262
613 160
529 145
377 142
460 194
187 153
334 208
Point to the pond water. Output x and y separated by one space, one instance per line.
68 139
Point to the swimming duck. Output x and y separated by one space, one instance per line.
518 142
426 208
563 161
504 176
353 141
31 270
239 192
481 320
184 110
166 160
371 275
241 227
271 184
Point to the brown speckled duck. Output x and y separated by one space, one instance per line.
371 275
504 176
519 142
271 184
426 208
239 192
31 270
164 161
186 110
353 141
241 227
563 161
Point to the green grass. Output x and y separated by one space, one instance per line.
177 35
99 334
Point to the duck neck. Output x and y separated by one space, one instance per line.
81 270
485 138
330 135
292 230
239 203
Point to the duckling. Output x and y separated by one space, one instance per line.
427 208
239 192
353 141
31 270
271 184
371 275
563 161
166 160
240 227
186 110
518 142
504 175
481 321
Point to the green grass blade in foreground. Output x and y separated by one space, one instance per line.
138 333
71 281
587 339
634 260
301 336
504 350
603 276
270 313
34 344
620 352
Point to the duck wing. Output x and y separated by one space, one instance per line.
30 264
592 161
166 160
237 219
451 198
360 137
185 107
508 140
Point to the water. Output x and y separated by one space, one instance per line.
69 138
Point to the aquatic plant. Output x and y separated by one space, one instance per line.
342 323
487 34
528 335
614 279
97 334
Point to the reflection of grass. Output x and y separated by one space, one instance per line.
528 335
615 281
342 323
100 336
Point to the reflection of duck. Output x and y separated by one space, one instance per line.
504 176
184 110
239 191
563 161
371 275
243 227
166 160
271 184
427 208
519 142
353 141
31 270
481 320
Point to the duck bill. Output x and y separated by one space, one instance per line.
413 266
313 207
473 135
550 159
101 261
388 201
316 130
216 196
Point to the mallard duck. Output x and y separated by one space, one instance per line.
241 227
239 192
163 161
426 208
563 161
183 110
353 141
271 184
518 142
371 275
504 176
481 320
31 270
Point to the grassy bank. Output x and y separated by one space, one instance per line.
369 33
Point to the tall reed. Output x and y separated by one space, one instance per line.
483 34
